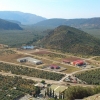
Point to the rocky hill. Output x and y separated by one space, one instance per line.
72 40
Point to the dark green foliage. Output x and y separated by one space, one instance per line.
6 25
16 38
91 77
71 40
37 91
20 70
78 92
43 81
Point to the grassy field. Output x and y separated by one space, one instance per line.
50 58
11 56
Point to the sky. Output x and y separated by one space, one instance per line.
66 9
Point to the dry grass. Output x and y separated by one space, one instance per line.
12 57
94 97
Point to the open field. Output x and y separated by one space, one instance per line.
93 63
12 56
97 58
54 56
48 58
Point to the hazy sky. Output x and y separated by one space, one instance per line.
54 8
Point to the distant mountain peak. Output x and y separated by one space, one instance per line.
24 18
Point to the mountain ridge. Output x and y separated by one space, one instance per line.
77 23
6 25
24 18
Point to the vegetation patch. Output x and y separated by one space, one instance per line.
90 77
20 70
78 92
6 52
14 87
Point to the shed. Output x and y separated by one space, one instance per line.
31 60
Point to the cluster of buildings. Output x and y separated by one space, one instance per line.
75 63
31 60
71 79
78 63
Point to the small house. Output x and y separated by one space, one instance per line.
54 67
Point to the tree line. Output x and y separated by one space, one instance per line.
20 70
78 92
90 77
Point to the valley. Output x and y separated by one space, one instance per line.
9 66
61 60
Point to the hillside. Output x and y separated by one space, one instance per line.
6 25
68 39
94 97
78 23
24 18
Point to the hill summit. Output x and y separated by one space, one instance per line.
71 40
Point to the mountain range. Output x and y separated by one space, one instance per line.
24 18
32 19
71 40
6 25
77 23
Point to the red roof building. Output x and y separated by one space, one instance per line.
54 67
66 61
78 62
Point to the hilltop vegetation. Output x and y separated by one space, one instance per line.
6 25
71 40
